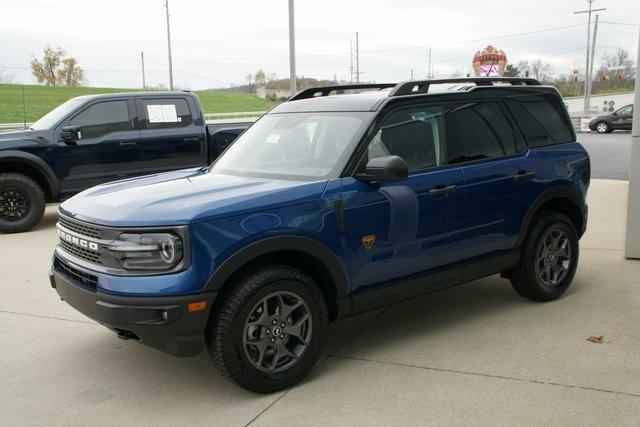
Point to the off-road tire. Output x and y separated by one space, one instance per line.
524 276
225 330
36 200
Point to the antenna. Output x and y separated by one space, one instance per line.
24 109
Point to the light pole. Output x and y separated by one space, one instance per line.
292 50
632 246
587 72
166 5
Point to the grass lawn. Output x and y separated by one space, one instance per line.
39 100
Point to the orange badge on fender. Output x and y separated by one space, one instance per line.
368 240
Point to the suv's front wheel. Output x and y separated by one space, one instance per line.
549 258
266 333
22 203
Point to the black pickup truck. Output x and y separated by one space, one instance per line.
90 140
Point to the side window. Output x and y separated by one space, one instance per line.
479 131
165 113
542 120
625 111
416 135
102 118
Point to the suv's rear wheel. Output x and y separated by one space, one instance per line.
266 333
22 203
549 258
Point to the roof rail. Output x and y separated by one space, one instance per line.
422 86
326 90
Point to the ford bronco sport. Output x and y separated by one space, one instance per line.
333 203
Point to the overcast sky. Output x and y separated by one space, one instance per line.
217 43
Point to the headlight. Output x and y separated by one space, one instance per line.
147 251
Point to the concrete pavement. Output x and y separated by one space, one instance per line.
475 354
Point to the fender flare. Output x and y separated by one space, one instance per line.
275 244
561 191
38 163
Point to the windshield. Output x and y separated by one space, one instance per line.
293 145
52 118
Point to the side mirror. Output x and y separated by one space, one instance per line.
387 168
70 134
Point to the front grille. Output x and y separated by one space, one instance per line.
74 274
83 253
80 227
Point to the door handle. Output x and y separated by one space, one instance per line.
191 140
442 189
524 176
127 143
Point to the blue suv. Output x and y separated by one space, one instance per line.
341 200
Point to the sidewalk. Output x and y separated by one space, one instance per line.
476 354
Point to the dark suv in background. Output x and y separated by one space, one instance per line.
328 206
621 119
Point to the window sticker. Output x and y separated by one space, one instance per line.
162 113
273 138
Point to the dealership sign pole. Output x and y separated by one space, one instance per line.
632 247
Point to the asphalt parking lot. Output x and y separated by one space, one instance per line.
473 355
609 154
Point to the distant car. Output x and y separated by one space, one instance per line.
620 119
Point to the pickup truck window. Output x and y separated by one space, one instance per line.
165 113
102 118
293 145
54 116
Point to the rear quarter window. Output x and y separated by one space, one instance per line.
543 120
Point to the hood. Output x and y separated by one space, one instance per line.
22 138
184 197
602 117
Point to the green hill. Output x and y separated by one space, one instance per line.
41 99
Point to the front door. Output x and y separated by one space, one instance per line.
106 150
624 117
169 139
405 228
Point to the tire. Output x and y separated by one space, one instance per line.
603 127
542 248
22 203
239 316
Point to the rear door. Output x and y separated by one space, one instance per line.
106 150
502 177
171 138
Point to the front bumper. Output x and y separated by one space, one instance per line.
163 323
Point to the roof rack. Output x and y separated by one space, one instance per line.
422 86
326 90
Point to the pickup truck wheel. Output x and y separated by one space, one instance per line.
266 332
549 258
22 203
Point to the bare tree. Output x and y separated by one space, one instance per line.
617 66
54 70
537 69
6 78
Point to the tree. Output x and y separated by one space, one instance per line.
6 78
54 70
511 71
537 69
616 66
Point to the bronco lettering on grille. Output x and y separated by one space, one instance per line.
77 241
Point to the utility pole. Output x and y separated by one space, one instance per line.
144 81
292 50
632 247
357 60
593 55
351 62
587 73
429 73
411 74
166 5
